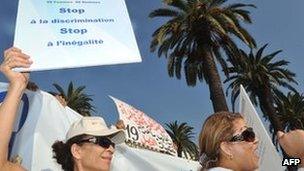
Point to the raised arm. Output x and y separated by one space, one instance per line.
13 58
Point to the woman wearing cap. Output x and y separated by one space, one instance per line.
226 144
89 145
13 57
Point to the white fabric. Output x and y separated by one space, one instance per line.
219 169
132 159
269 157
47 121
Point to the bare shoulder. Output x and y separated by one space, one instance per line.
12 167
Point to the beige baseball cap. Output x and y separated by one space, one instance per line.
95 126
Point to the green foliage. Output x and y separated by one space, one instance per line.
290 109
181 134
76 99
256 72
195 27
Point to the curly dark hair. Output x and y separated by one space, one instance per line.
62 152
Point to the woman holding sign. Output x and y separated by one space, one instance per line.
91 141
13 58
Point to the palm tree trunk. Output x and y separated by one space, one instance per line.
266 102
214 81
267 106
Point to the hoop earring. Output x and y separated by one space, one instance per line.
230 156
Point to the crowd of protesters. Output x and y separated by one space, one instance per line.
226 142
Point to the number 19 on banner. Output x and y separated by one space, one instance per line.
132 133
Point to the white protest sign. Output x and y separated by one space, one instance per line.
142 130
75 33
269 157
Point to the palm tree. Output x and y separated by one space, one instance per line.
181 135
290 109
261 77
196 35
76 99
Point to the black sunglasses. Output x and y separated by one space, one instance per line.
247 135
101 141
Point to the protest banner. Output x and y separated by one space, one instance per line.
41 120
132 159
142 130
269 157
71 33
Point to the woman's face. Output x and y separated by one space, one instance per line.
96 158
244 153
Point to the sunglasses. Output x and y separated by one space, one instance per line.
247 135
101 141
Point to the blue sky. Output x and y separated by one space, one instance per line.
146 85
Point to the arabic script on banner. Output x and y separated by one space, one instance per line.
142 130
